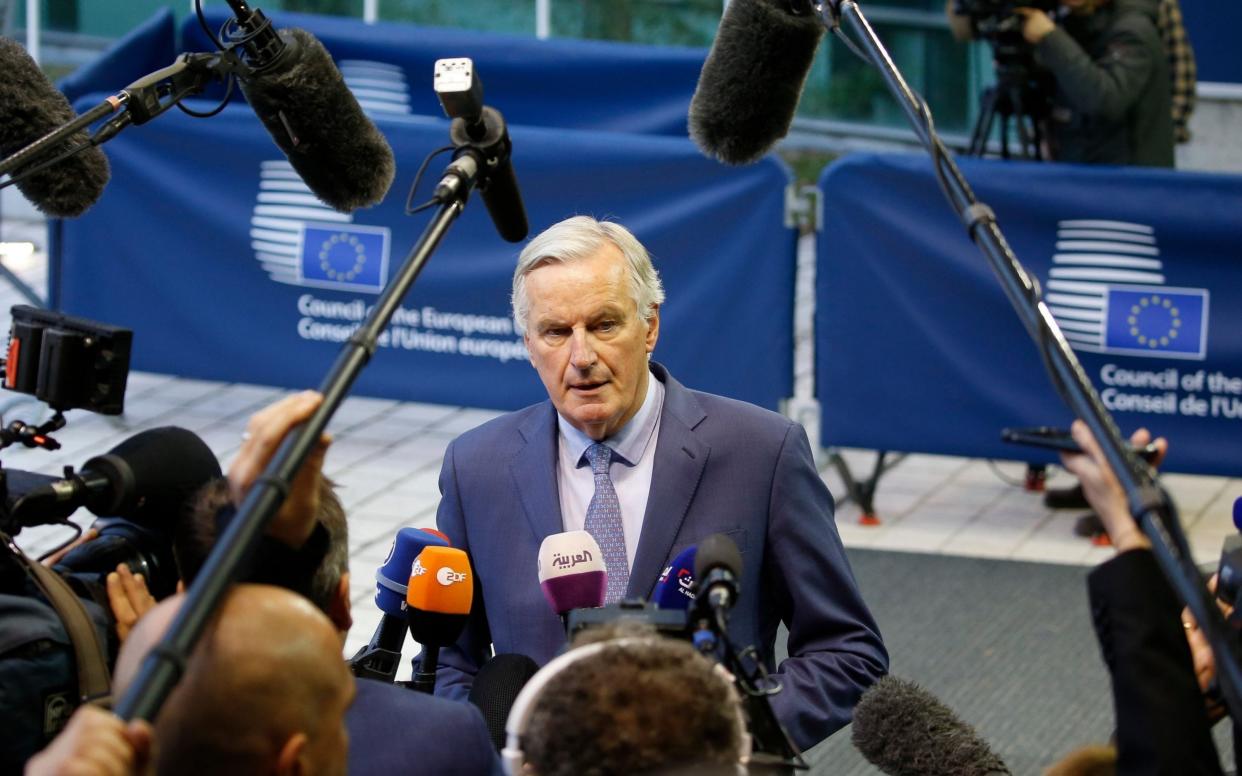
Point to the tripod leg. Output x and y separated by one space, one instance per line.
1004 135
1037 139
983 125
1024 135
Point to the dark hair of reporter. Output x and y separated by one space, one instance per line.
196 535
609 714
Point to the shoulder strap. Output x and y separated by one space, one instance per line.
94 680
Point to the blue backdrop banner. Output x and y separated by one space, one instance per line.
207 245
918 349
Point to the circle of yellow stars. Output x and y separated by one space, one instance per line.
1154 302
360 256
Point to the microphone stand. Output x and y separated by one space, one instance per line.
1149 504
375 661
424 679
236 546
772 750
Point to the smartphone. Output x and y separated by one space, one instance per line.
1059 439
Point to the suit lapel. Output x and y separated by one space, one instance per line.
534 474
680 459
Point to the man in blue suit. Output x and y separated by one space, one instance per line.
649 467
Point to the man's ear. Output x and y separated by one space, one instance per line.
653 328
289 762
339 609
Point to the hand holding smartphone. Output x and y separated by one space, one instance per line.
1059 439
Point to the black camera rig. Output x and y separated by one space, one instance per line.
1023 89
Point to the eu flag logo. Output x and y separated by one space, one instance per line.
350 257
1157 320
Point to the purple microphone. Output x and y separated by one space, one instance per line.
1237 513
571 571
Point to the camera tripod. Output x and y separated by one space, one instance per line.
1017 95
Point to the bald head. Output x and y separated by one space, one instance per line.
265 687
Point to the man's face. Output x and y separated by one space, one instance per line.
588 341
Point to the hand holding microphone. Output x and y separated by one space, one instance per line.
265 432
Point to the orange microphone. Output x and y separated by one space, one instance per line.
438 600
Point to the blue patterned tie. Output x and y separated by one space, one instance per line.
603 521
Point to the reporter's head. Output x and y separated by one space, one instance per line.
196 535
634 705
265 690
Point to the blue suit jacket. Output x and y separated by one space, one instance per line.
395 730
721 466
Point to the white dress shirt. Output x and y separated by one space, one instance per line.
635 443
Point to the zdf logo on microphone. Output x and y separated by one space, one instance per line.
446 584
417 569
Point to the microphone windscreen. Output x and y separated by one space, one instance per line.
312 115
572 573
1237 513
904 730
30 107
496 687
675 587
752 78
152 476
717 552
392 576
441 591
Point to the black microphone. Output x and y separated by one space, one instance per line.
297 92
904 730
476 125
717 567
752 78
496 687
148 478
30 107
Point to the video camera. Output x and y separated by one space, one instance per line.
1023 90
997 22
138 489
75 363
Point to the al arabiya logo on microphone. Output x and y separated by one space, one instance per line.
300 241
1108 291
